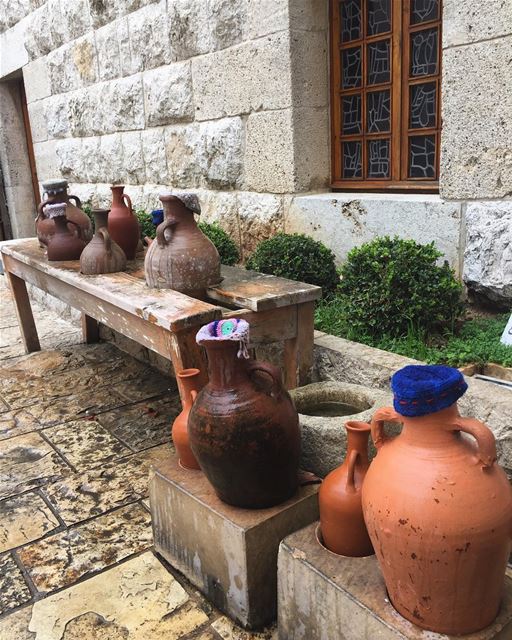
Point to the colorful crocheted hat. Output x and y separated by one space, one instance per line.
55 210
422 389
232 329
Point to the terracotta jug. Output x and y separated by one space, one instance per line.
189 381
182 257
102 254
243 427
63 244
341 514
438 507
123 225
56 191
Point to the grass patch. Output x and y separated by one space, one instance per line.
476 341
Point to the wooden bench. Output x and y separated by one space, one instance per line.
163 320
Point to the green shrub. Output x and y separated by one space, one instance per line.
297 257
147 228
393 286
228 251
87 209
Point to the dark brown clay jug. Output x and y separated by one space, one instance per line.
123 225
102 254
438 508
182 257
342 524
56 191
243 427
63 244
190 386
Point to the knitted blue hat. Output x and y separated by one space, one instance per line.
422 389
157 216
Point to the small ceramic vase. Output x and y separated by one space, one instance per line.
63 244
437 506
182 257
123 225
189 381
56 191
102 254
243 427
341 514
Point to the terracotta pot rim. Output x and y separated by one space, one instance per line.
188 373
318 536
358 426
117 186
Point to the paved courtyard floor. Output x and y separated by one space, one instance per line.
79 428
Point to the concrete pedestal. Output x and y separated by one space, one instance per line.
322 595
229 554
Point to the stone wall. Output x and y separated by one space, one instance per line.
225 97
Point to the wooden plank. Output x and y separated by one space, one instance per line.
260 292
90 329
23 311
274 325
298 351
169 309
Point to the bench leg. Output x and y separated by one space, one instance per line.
90 329
187 354
24 313
298 351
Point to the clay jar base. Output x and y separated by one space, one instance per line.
320 540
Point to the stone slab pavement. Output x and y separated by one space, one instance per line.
80 426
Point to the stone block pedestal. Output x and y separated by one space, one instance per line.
322 595
229 554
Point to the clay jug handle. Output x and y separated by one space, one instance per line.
270 370
40 211
106 239
193 395
166 224
77 201
385 414
129 201
352 461
484 438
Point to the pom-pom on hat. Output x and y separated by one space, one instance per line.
232 329
422 389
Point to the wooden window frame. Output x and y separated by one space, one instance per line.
399 85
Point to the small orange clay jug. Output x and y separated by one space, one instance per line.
63 244
102 254
123 225
437 506
341 515
189 381
56 191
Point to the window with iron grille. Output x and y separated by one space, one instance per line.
385 93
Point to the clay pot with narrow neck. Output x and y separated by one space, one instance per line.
123 225
64 244
342 523
56 192
244 429
439 513
181 257
189 379
102 254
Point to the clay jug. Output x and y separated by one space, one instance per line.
56 191
63 244
102 254
341 515
182 257
123 225
438 510
189 381
243 427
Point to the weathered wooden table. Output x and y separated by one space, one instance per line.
163 320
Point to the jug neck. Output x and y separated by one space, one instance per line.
225 368
176 210
189 381
433 430
117 195
55 197
357 439
100 219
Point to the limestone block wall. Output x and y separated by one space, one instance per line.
225 97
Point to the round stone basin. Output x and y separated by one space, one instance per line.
323 409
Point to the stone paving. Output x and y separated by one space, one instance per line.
80 426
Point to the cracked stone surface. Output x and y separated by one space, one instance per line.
80 426
23 519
